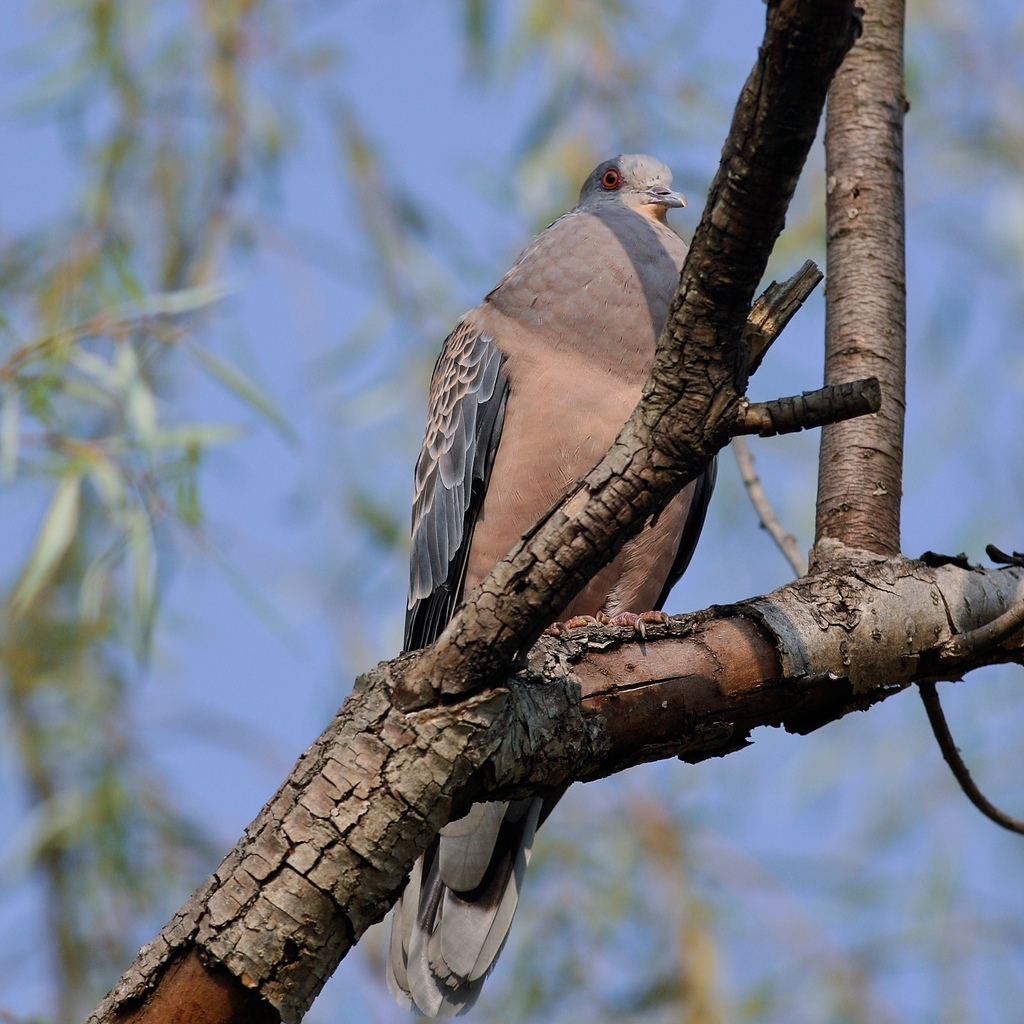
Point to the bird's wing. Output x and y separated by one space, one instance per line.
468 393
692 528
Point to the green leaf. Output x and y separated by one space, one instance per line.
143 555
93 366
190 511
10 434
120 257
109 482
140 408
477 18
93 592
87 393
186 300
54 539
195 435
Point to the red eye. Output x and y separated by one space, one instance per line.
611 179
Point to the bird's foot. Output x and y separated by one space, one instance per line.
637 621
561 628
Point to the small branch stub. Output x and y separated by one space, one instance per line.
811 409
774 309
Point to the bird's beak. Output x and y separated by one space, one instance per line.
661 196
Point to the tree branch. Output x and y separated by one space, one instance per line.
830 404
977 641
860 468
330 852
768 317
937 720
774 309
965 648
787 543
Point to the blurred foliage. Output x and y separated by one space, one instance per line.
171 138
835 877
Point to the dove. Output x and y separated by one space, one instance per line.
528 394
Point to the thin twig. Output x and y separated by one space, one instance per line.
977 641
768 317
769 520
949 751
811 409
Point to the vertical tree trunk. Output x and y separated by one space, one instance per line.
861 461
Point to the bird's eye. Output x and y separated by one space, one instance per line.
611 179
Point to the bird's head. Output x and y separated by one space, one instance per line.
635 181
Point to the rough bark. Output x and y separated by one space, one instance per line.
861 463
330 852
831 404
773 311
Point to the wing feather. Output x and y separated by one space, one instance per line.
468 392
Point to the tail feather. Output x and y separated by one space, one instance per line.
494 940
466 846
401 933
425 987
444 940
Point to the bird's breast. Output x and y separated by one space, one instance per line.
577 318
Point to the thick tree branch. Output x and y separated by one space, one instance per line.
692 399
329 854
860 469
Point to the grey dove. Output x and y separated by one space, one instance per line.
529 392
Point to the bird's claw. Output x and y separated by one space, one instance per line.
561 628
637 621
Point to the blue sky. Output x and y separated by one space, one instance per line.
233 697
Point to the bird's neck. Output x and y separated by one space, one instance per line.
653 212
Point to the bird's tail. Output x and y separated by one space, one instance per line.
453 918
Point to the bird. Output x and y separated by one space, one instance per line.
528 393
